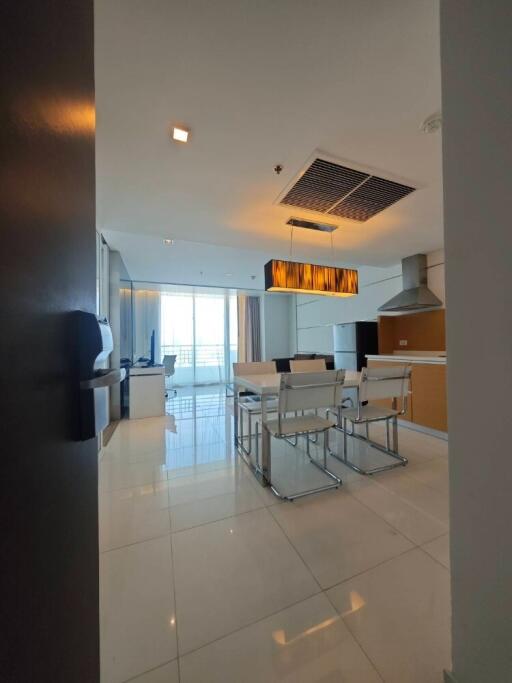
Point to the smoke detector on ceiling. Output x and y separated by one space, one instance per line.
432 123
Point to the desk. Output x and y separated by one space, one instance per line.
147 392
266 386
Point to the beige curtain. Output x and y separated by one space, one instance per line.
249 328
242 348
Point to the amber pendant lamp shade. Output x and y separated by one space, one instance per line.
307 278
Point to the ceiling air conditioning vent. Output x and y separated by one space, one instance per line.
323 185
330 188
373 196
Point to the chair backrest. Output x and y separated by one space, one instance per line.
310 390
257 368
314 365
169 362
378 383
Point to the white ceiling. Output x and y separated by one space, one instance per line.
262 82
188 263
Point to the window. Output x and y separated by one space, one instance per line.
200 328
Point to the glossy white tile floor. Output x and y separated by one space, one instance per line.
207 577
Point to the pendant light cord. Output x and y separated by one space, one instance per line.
291 242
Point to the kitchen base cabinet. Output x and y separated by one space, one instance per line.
429 396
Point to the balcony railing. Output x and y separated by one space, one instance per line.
202 363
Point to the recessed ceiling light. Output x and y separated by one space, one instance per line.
180 134
228 274
168 242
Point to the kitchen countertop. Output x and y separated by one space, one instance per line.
433 360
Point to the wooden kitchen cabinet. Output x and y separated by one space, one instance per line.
429 396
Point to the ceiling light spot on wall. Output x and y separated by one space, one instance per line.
180 134
168 242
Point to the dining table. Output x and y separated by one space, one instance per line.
266 386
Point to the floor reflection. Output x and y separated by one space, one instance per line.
198 428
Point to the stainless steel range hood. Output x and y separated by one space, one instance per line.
415 295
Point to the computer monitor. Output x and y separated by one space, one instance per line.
152 350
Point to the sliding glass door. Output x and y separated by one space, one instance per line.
209 331
200 328
177 334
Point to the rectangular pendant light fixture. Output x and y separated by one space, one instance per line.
307 278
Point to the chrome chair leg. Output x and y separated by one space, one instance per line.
266 445
241 423
257 449
395 434
241 435
323 467
295 440
345 439
242 438
315 438
402 460
249 432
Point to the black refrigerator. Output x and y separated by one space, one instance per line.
352 341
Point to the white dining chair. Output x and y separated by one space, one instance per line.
301 392
249 404
308 365
169 363
377 384
312 365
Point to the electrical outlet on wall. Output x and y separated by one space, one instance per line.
403 342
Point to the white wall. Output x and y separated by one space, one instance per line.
315 315
115 325
477 157
117 271
102 277
275 325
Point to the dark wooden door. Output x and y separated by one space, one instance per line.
49 535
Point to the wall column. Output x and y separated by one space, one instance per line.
476 65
